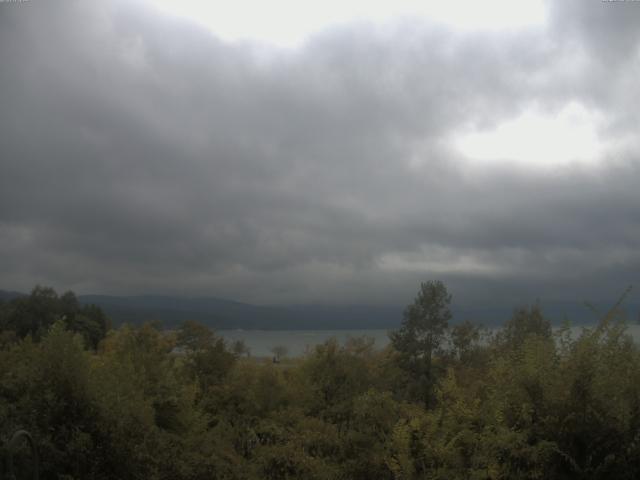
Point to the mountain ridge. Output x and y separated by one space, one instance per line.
224 314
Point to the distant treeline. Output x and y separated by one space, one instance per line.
440 402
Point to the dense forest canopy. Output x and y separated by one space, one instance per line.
440 402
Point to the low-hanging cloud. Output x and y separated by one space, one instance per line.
140 154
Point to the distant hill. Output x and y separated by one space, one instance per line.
6 295
227 314
171 311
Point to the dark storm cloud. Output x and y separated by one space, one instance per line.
142 154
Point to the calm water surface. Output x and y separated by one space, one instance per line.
260 342
297 342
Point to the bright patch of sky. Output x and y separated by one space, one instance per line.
533 139
288 23
537 139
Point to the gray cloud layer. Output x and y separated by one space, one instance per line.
141 154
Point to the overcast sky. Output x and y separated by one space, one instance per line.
341 160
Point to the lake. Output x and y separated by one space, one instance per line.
260 342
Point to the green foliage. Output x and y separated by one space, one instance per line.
279 352
35 314
206 358
45 388
239 348
465 338
335 376
525 322
425 322
152 404
420 336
